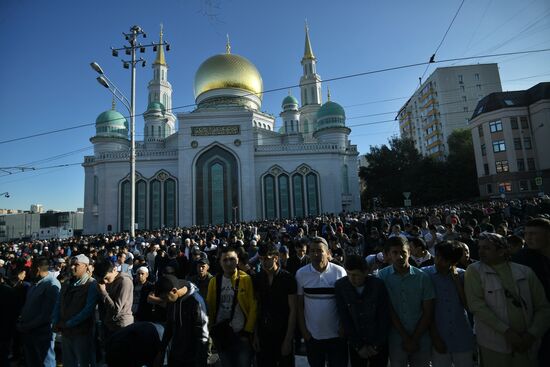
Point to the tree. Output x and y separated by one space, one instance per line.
390 170
398 167
462 165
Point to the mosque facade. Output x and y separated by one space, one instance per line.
225 161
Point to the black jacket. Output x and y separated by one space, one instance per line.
365 317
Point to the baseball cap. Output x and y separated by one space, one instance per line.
167 283
203 260
81 259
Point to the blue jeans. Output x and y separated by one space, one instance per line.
334 350
238 355
78 350
38 349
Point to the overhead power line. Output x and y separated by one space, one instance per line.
348 76
432 58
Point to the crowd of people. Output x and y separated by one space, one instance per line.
442 286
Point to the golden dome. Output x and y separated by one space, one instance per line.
228 71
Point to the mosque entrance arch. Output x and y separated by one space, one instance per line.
216 187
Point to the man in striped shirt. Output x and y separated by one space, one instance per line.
317 313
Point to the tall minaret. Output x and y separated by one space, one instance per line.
310 89
159 119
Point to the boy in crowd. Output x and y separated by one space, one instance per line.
187 324
116 292
451 333
275 290
363 307
412 298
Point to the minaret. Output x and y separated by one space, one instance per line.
310 89
159 119
310 82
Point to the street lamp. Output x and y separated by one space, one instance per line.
102 79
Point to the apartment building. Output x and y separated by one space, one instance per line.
443 103
511 137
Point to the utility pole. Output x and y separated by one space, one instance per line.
132 38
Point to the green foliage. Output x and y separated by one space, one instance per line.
398 167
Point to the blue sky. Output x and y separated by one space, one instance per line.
47 84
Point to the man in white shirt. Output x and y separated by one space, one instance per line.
317 313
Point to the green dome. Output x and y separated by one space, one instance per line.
289 100
331 114
111 124
156 106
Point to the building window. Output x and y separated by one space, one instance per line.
499 146
476 76
298 191
502 166
170 203
96 190
269 197
312 194
524 122
462 88
489 189
141 204
478 86
284 196
464 99
523 185
517 143
460 79
514 123
345 180
155 206
465 109
531 164
495 126
521 165
480 130
505 187
483 150
527 142
486 169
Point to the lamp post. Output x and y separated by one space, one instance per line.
132 37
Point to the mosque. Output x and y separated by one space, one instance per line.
224 161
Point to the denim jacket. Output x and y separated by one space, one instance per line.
365 317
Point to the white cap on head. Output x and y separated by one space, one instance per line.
142 269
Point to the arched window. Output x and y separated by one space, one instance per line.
345 180
312 194
298 192
155 207
158 129
306 126
141 204
269 197
313 96
305 95
125 205
170 203
217 187
284 196
96 190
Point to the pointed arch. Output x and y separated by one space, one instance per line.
216 186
